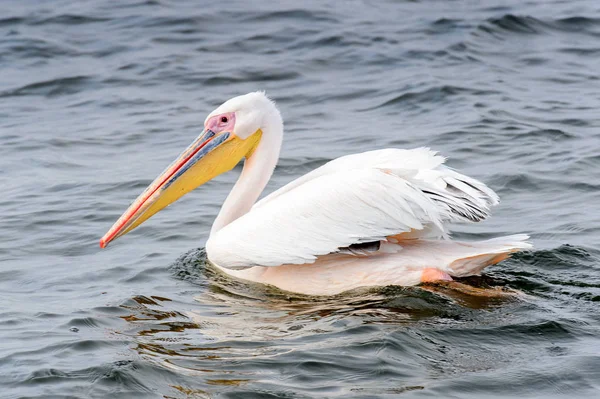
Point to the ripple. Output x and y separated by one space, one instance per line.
577 23
103 377
69 19
34 48
566 256
518 24
51 88
11 21
434 95
294 14
254 76
551 134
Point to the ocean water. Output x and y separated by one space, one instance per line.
97 97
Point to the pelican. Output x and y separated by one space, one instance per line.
370 219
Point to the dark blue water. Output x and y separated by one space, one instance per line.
97 97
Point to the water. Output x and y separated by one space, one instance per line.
96 98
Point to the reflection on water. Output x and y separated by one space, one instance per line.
238 337
236 331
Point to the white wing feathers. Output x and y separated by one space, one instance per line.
419 159
354 199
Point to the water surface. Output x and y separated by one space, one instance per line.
96 98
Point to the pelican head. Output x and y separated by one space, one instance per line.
231 132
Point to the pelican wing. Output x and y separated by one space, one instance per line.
352 200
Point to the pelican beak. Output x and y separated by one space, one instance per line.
210 155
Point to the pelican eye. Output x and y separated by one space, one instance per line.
224 119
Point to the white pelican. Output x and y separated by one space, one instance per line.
370 219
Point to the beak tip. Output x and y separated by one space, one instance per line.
103 243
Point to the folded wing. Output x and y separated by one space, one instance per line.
356 199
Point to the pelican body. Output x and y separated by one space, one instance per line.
370 219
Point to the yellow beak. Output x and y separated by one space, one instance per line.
210 155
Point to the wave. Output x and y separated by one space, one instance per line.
52 87
527 25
